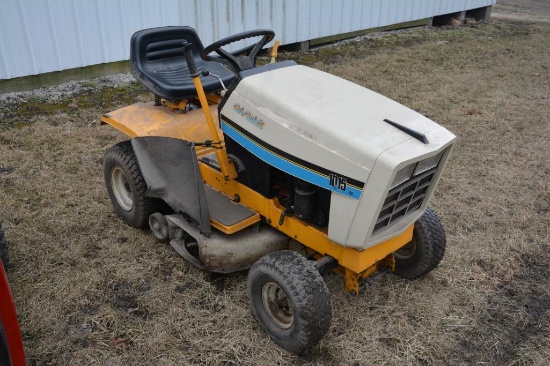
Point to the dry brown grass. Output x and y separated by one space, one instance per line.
90 290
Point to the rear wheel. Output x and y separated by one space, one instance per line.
126 186
425 251
290 300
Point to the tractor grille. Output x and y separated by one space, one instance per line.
404 199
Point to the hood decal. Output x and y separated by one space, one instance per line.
293 165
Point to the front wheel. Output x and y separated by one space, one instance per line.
126 186
424 252
290 300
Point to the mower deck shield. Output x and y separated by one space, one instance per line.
171 171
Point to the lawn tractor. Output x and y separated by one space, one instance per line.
281 169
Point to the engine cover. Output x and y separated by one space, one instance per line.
337 135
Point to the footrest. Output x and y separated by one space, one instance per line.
226 215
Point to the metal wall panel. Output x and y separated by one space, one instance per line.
39 36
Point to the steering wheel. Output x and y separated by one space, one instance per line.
230 58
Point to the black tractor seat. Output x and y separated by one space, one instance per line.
157 61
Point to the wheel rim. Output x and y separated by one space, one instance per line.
121 189
277 306
407 251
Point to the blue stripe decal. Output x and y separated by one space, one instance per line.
286 165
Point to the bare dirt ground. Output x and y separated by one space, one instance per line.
90 290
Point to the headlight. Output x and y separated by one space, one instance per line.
427 164
403 175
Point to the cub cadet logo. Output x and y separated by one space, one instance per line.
258 122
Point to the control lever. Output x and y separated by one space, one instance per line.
206 73
287 211
188 54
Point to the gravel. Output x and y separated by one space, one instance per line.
61 92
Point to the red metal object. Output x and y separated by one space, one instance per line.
8 318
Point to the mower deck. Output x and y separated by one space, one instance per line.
220 252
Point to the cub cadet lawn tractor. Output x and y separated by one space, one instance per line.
280 168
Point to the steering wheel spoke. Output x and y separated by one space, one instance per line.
226 58
257 47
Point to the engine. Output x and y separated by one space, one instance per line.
300 198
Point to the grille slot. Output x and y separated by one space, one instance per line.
404 199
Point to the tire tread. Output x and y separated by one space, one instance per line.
313 309
123 154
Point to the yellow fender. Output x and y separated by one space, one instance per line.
146 119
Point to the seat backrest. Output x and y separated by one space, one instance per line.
156 60
153 45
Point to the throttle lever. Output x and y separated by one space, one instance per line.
207 73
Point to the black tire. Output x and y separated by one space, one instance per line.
290 300
4 254
424 253
126 186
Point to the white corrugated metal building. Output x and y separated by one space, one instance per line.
41 36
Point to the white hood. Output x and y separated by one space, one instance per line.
332 113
